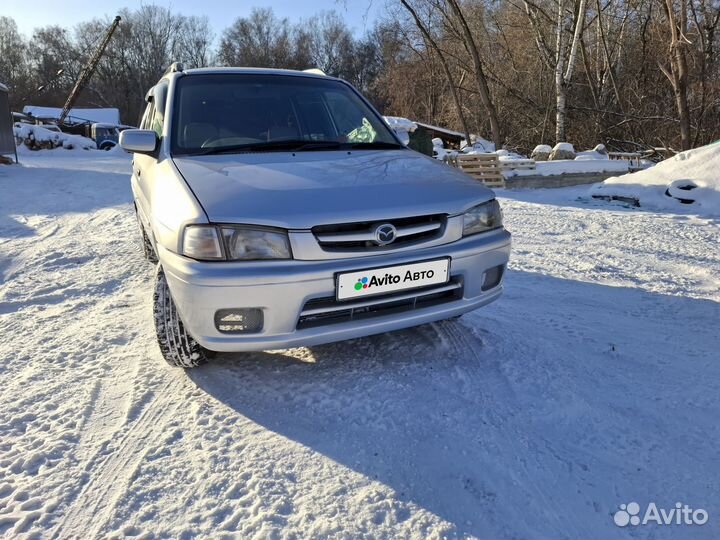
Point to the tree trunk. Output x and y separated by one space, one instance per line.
563 73
446 68
560 90
483 87
561 110
678 68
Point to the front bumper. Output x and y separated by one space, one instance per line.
282 288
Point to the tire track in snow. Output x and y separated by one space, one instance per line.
474 367
92 507
497 400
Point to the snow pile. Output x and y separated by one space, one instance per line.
402 127
76 116
562 150
590 155
566 146
479 146
599 152
541 152
688 180
507 155
39 138
439 151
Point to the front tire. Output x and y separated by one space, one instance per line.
177 347
148 250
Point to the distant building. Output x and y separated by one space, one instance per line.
7 137
452 139
76 116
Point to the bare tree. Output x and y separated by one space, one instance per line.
330 43
195 42
677 73
561 60
263 40
14 69
443 61
480 78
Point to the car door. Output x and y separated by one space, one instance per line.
145 165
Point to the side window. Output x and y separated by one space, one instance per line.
156 123
159 101
147 115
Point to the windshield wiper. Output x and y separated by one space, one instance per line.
377 145
270 146
295 145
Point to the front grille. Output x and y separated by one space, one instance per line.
361 235
328 310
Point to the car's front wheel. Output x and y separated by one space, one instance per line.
148 250
176 345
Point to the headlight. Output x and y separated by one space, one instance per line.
234 243
483 217
201 242
248 243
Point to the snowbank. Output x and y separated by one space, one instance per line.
39 138
690 176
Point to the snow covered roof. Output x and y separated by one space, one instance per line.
76 116
401 124
3 88
478 141
441 130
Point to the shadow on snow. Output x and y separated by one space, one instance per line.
536 415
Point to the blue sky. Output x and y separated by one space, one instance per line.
359 14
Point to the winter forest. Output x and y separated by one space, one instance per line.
518 72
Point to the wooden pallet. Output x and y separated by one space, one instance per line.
518 164
483 167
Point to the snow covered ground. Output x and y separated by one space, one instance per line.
686 183
592 383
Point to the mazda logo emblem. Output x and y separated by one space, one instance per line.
385 234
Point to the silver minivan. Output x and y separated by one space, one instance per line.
282 211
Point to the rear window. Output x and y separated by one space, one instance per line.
227 110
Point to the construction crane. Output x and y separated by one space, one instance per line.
87 72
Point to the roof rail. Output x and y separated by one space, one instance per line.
173 68
315 71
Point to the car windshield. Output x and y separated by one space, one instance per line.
220 113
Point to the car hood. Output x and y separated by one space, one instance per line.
299 191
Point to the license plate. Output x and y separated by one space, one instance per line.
389 279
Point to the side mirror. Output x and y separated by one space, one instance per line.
141 141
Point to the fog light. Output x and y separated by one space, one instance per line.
492 277
239 321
